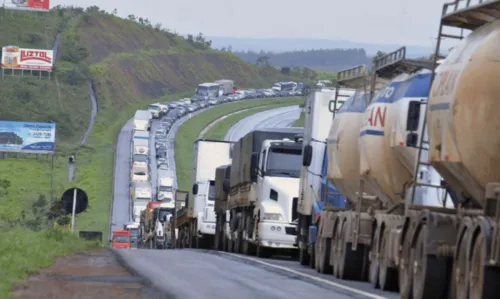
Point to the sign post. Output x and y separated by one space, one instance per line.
73 211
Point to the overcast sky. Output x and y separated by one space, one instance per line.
373 21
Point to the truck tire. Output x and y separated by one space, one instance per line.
312 256
387 277
350 261
324 249
430 278
374 263
406 268
263 252
482 283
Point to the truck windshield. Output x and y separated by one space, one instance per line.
211 191
121 239
165 212
140 158
134 232
153 107
284 162
166 188
202 90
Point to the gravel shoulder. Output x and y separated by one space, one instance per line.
89 274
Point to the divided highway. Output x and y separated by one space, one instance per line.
191 273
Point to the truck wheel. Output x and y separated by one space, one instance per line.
388 277
460 271
350 261
324 256
430 273
406 268
263 252
303 257
374 263
312 256
482 283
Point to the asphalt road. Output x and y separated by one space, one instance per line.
210 274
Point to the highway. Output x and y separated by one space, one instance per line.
190 273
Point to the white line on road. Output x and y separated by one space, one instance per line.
319 279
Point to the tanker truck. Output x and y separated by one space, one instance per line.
318 109
263 190
455 252
372 163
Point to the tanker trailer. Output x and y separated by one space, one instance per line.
463 147
346 124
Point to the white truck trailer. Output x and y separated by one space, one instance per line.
226 86
196 222
318 112
140 193
142 120
165 189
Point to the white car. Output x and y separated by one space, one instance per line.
139 176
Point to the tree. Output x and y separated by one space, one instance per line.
379 54
158 26
263 61
285 70
115 12
131 17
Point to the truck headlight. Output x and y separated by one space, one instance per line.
272 216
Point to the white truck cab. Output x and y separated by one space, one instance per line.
278 190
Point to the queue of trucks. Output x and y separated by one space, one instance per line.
407 195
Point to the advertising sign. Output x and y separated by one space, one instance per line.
39 5
17 58
27 137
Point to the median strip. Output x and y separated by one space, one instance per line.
190 130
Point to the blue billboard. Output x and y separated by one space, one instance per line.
27 137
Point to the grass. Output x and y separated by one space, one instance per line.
27 251
189 131
299 122
219 130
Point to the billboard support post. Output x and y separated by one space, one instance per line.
52 179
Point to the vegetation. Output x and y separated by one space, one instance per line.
219 130
189 131
300 122
326 60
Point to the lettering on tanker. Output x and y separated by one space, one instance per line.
445 83
376 118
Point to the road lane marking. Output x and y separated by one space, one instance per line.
319 279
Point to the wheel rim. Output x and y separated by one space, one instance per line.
460 270
405 269
476 267
419 267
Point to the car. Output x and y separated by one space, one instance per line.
139 176
213 102
161 161
160 132
191 108
161 153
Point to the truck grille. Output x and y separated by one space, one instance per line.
294 208
291 230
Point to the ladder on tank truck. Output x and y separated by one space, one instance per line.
359 79
462 15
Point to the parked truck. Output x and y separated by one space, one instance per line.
196 221
155 225
142 120
121 239
140 193
226 86
207 91
318 115
157 110
263 190
133 228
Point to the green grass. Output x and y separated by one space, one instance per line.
25 252
189 131
299 122
219 130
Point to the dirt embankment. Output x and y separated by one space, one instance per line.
90 274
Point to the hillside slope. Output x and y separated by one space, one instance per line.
132 61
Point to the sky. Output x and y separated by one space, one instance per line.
372 21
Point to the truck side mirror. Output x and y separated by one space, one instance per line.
307 155
225 186
413 116
254 165
195 189
186 200
411 139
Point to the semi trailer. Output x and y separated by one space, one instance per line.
196 221
313 190
155 225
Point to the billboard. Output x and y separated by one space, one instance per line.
17 58
37 5
27 137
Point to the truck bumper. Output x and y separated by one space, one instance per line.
277 235
206 228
